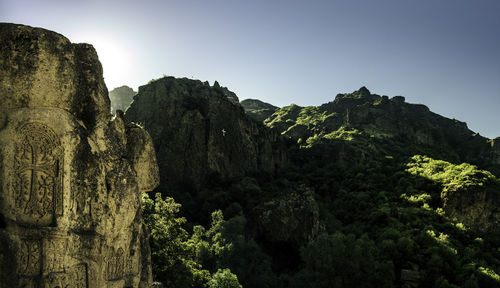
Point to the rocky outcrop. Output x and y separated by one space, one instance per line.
71 177
120 98
285 224
200 135
292 218
231 96
258 110
474 204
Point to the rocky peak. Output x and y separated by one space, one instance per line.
121 97
201 135
362 92
36 64
359 96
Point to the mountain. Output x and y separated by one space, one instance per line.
380 119
359 127
202 135
120 98
365 191
258 110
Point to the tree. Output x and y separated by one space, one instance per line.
223 278
340 260
171 252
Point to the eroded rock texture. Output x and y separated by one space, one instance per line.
201 133
71 177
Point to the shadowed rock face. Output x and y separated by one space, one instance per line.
71 177
291 218
201 134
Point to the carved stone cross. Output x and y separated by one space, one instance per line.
37 170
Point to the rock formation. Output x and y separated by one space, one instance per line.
71 177
230 95
475 204
291 218
200 134
121 97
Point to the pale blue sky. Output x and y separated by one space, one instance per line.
441 53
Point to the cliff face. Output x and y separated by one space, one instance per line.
201 134
120 98
71 177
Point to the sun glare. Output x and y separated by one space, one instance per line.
114 57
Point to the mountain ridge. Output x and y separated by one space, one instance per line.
389 118
363 172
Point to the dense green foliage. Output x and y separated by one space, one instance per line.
462 176
382 215
223 278
173 254
397 213
379 219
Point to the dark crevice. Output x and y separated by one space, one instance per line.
285 257
3 225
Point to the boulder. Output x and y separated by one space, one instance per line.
71 176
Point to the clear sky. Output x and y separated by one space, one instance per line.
441 53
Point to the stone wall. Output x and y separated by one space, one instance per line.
71 177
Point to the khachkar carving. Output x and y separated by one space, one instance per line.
54 252
29 257
115 264
38 174
54 274
75 277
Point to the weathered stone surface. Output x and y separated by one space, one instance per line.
200 134
71 176
476 205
